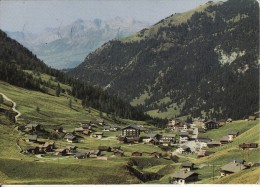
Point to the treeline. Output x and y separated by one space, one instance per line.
14 59
184 62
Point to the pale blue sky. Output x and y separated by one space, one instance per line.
34 16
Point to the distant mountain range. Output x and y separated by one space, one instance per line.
200 63
67 46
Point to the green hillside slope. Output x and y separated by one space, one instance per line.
202 62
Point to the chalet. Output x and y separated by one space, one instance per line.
79 130
86 124
117 148
32 138
183 177
62 152
70 138
231 135
121 139
211 125
166 139
104 148
106 128
113 128
87 132
118 153
203 153
132 140
137 153
203 138
177 124
152 138
99 122
94 153
188 166
142 129
156 154
222 122
183 149
48 146
231 167
201 130
58 129
248 145
131 131
33 127
229 120
213 144
251 118
31 149
81 155
184 137
224 140
71 149
98 135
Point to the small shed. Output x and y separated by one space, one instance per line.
251 118
118 153
156 154
104 148
187 166
81 155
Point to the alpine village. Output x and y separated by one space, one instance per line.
174 103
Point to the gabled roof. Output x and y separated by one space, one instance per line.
106 127
184 134
80 154
46 144
151 135
252 117
104 147
33 137
233 133
131 126
187 164
233 167
169 135
71 147
30 148
224 138
214 142
31 125
183 174
210 121
79 129
70 137
60 150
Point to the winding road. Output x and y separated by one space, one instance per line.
14 106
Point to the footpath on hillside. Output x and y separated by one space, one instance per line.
13 107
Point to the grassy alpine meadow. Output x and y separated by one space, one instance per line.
20 168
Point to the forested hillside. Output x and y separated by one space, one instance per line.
202 62
15 61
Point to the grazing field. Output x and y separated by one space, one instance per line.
240 126
20 168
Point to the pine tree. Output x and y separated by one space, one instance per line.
70 103
58 90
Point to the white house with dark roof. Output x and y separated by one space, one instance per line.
183 177
232 167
